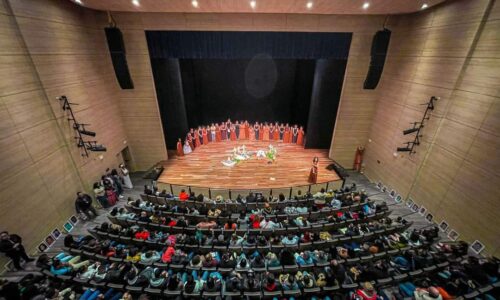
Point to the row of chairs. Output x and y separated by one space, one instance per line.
313 227
315 215
301 246
315 291
278 269
234 207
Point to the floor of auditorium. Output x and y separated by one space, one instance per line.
361 181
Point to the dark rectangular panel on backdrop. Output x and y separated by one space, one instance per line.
380 44
117 52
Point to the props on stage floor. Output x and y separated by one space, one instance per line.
453 235
477 247
384 189
42 247
443 226
241 154
392 193
415 207
379 185
398 198
68 226
409 202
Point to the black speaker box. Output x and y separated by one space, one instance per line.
117 50
380 44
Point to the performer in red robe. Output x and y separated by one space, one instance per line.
223 131
282 132
265 136
243 131
251 135
218 137
180 152
232 133
189 138
276 134
358 160
313 174
197 142
261 132
247 129
204 134
300 138
286 138
256 129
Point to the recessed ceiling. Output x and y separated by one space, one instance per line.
263 6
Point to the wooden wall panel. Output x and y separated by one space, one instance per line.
450 51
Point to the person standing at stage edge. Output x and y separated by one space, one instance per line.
11 245
313 174
180 152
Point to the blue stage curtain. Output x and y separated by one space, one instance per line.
240 44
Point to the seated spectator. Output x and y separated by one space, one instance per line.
206 224
183 196
147 190
150 257
230 225
144 217
367 292
427 294
64 264
269 283
290 239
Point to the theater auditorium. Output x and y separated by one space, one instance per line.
249 149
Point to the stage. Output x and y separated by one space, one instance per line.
203 168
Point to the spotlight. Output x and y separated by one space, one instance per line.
136 2
404 149
97 148
424 6
81 129
86 132
79 1
309 5
366 5
253 4
194 3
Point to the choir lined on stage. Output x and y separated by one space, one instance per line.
240 131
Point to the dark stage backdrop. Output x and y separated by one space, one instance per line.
205 77
261 89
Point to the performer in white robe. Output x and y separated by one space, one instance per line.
187 148
126 177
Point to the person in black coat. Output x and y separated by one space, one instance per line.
83 204
11 245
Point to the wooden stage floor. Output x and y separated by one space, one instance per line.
203 167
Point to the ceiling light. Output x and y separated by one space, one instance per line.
253 4
424 6
79 1
309 5
194 3
366 5
136 2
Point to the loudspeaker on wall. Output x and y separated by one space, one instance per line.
380 44
117 51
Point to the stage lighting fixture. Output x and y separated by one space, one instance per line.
92 146
253 4
424 6
366 5
404 149
411 130
81 129
194 3
309 5
86 132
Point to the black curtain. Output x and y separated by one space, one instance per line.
168 84
241 44
328 80
260 89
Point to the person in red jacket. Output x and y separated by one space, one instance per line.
166 257
183 196
367 292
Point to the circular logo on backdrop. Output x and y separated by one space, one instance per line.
261 76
